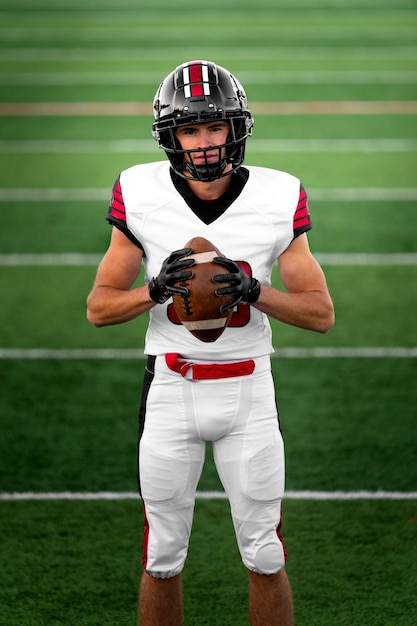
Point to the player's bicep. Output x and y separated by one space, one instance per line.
299 270
121 264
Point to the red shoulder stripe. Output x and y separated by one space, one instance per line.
302 215
117 206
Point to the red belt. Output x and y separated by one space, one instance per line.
210 371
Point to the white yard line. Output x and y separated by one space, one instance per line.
296 77
66 146
365 30
209 495
331 145
340 107
249 53
46 259
103 194
281 353
324 258
366 259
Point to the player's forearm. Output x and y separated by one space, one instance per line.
107 306
312 310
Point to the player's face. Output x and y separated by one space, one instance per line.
204 136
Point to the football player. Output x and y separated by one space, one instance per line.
196 392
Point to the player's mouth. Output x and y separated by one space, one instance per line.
208 157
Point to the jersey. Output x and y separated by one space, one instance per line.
257 227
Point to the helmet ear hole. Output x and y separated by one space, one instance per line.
198 92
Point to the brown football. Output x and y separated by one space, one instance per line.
199 310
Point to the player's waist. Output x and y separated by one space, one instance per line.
203 369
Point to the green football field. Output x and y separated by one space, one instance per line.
333 89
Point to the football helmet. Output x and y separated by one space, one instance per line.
194 93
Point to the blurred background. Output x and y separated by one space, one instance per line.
332 87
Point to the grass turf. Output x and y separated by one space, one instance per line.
76 563
72 424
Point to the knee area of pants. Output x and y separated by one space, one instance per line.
164 575
269 559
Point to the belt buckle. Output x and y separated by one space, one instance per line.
185 367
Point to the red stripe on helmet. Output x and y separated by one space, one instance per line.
196 77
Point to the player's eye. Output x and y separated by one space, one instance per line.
187 131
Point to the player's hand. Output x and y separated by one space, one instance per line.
162 286
242 286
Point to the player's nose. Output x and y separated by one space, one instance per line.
204 140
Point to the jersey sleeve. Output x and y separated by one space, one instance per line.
116 214
302 221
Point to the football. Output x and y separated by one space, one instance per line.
199 310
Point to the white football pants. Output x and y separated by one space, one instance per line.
239 416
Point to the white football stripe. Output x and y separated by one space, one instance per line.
206 324
186 81
204 257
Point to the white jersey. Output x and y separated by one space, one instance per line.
257 227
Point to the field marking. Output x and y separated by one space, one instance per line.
50 259
296 77
103 354
210 495
103 194
366 259
331 107
135 146
76 259
240 54
365 30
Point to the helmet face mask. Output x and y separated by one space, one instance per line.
195 93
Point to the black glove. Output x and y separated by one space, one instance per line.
162 287
243 287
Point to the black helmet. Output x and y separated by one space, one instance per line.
197 92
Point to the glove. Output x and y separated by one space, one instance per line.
162 287
243 287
